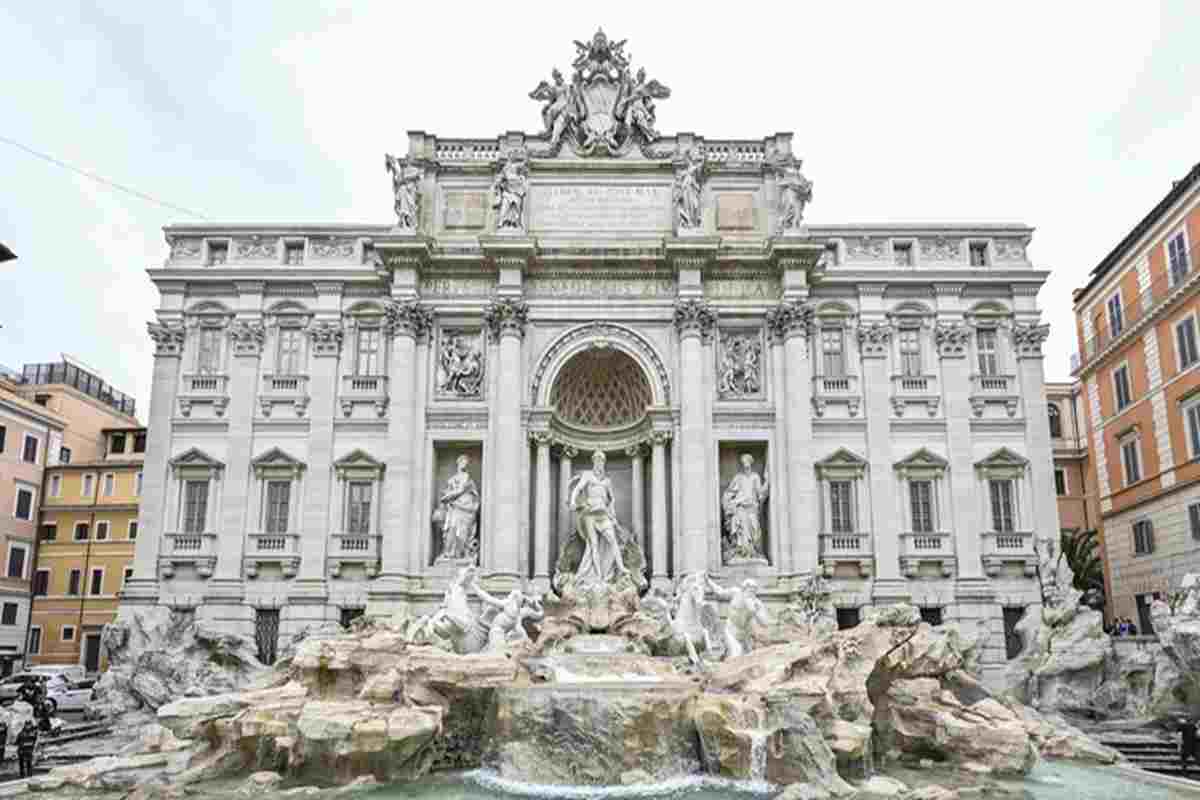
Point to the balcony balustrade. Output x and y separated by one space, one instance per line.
184 548
920 390
360 549
364 389
847 548
272 548
284 389
920 547
994 389
208 388
836 389
1009 547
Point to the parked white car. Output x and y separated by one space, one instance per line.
72 672
67 696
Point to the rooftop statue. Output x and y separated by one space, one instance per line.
404 187
508 192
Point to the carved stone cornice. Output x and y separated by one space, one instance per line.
326 338
1027 338
694 317
874 339
407 318
506 316
790 318
168 339
951 339
247 337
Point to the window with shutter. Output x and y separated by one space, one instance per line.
1143 537
841 518
1003 505
195 509
1177 255
1055 416
1185 342
921 499
1194 520
1116 315
358 510
985 342
278 497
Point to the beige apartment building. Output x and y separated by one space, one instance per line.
1139 333
1068 439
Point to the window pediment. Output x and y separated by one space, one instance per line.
195 461
1003 463
276 462
357 463
841 463
922 463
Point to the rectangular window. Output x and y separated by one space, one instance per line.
287 361
1060 482
133 529
1116 315
910 352
293 253
279 495
1185 342
64 455
8 614
208 351
35 641
931 615
1191 418
41 583
1131 460
367 358
81 531
348 615
110 483
116 444
24 509
49 533
1194 520
358 507
126 577
920 497
3 436
833 353
1004 506
841 516
985 342
1012 640
1143 537
56 485
848 618
139 442
195 506
97 585
137 485
102 530
1122 394
1177 255
979 254
16 561
88 485
68 633
73 581
30 450
218 253
903 252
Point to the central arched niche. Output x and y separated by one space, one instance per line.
601 389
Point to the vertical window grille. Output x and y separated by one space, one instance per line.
833 353
910 352
358 512
208 352
288 362
367 361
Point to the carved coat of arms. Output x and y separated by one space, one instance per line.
605 109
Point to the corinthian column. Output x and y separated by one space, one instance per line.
406 320
506 319
541 519
792 323
694 320
658 509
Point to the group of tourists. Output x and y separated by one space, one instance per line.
26 742
1122 626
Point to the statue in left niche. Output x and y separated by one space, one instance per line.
742 503
405 187
458 515
508 191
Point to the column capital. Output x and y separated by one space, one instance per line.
541 438
168 339
790 318
660 438
506 316
1027 338
326 338
407 318
694 317
951 339
248 337
634 450
874 339
569 452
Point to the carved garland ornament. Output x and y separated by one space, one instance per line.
601 334
874 338
326 338
952 339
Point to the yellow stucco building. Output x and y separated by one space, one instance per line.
85 546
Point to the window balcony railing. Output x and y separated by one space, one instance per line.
1008 547
992 384
915 389
920 547
354 549
273 548
836 389
285 384
847 548
188 548
364 389
205 384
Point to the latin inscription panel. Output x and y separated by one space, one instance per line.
588 286
600 208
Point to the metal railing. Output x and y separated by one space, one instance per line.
284 384
205 384
835 384
992 384
71 375
365 384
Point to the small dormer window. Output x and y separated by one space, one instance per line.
293 253
116 445
903 253
979 254
218 253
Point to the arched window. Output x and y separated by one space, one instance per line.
1055 421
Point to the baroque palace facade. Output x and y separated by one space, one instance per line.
597 287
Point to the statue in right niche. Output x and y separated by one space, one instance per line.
458 515
742 505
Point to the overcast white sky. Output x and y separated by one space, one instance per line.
1071 117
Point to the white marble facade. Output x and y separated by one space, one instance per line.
314 386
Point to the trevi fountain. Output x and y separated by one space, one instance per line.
787 519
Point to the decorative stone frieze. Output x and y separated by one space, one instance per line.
940 248
185 249
247 337
865 248
1027 338
256 248
168 339
1009 249
326 338
951 339
874 339
407 318
694 317
333 247
740 368
506 316
788 318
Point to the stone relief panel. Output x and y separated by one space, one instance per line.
740 365
1009 249
941 249
460 364
865 248
606 207
256 248
185 249
735 211
333 247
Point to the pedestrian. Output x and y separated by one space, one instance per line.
1187 743
3 738
27 741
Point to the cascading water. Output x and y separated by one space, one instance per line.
758 755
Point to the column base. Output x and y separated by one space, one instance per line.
890 591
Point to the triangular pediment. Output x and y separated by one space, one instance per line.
923 458
275 457
195 457
358 459
842 458
1002 458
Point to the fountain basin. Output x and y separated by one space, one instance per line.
593 733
